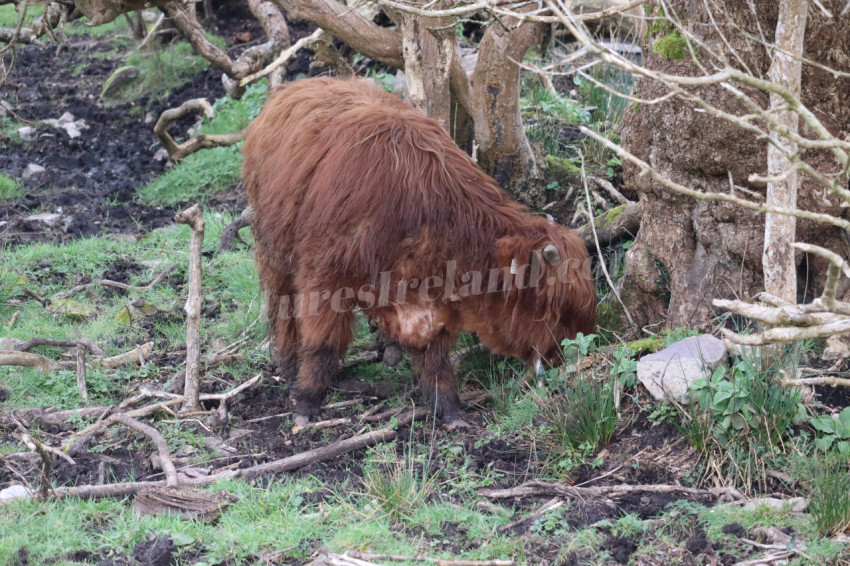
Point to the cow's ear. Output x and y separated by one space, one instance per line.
551 254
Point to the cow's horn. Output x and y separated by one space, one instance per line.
551 255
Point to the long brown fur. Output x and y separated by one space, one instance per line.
351 187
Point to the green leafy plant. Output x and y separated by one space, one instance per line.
584 345
625 366
835 432
662 413
747 401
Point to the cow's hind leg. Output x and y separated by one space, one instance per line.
279 290
437 378
325 337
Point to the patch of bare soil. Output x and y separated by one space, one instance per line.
92 179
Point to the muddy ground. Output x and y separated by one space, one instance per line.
92 179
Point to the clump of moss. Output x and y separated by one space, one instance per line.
672 46
561 167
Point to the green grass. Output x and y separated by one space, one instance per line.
162 69
230 280
10 189
829 477
9 15
583 417
208 171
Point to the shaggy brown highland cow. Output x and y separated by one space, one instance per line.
361 202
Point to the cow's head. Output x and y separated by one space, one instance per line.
550 296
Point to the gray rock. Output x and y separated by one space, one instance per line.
47 218
670 372
27 133
31 170
14 491
797 504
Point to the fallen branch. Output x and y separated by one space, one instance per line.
53 418
109 283
42 451
37 446
420 558
79 439
44 302
233 392
81 372
550 505
85 342
539 488
194 219
165 460
609 188
831 380
26 359
137 355
284 56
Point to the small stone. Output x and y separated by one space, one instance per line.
31 170
49 219
15 491
670 372
27 133
72 309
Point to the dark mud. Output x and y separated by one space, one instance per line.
91 180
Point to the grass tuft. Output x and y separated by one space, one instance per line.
829 506
397 487
10 189
582 416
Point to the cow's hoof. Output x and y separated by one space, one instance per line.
302 420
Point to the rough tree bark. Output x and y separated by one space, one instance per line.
687 252
503 148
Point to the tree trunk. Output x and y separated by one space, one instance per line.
428 46
687 252
780 273
503 148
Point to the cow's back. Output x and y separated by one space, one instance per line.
344 174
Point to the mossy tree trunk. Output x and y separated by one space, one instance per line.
688 253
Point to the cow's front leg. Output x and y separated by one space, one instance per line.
437 378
